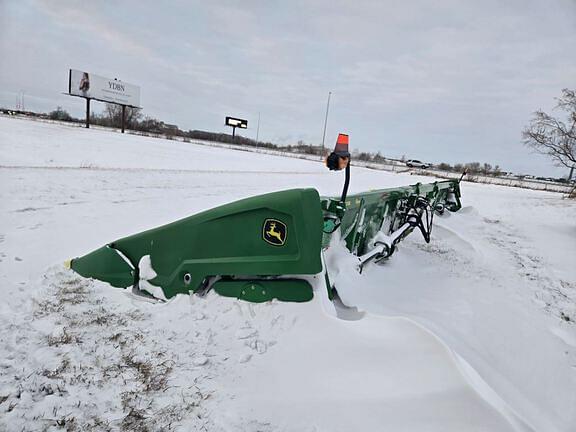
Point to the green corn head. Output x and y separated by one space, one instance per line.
264 247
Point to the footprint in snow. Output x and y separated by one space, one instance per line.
245 358
200 361
246 333
259 346
277 321
199 316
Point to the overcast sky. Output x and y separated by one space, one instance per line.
445 80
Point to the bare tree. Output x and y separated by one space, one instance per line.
114 114
552 136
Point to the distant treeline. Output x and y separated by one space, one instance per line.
471 168
112 117
476 168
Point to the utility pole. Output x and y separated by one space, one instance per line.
20 101
258 129
326 122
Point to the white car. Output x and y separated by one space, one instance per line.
413 163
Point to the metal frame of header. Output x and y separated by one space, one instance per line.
88 99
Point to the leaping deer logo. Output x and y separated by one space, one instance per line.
274 232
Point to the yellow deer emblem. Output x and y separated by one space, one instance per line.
274 232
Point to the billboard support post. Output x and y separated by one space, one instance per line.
87 113
123 117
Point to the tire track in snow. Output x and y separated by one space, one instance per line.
556 296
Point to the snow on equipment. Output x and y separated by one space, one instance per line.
267 246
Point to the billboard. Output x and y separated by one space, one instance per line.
236 122
93 86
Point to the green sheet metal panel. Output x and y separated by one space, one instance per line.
105 264
273 234
258 291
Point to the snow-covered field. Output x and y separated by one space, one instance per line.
474 331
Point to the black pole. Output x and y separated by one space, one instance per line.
123 117
346 183
233 132
87 113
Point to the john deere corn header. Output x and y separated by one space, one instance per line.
266 247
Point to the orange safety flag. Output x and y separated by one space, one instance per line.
341 148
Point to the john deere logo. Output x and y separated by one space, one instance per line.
274 232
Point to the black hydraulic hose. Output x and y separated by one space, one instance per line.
346 183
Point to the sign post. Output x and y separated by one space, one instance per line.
123 116
87 113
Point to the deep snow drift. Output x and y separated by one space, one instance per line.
474 331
